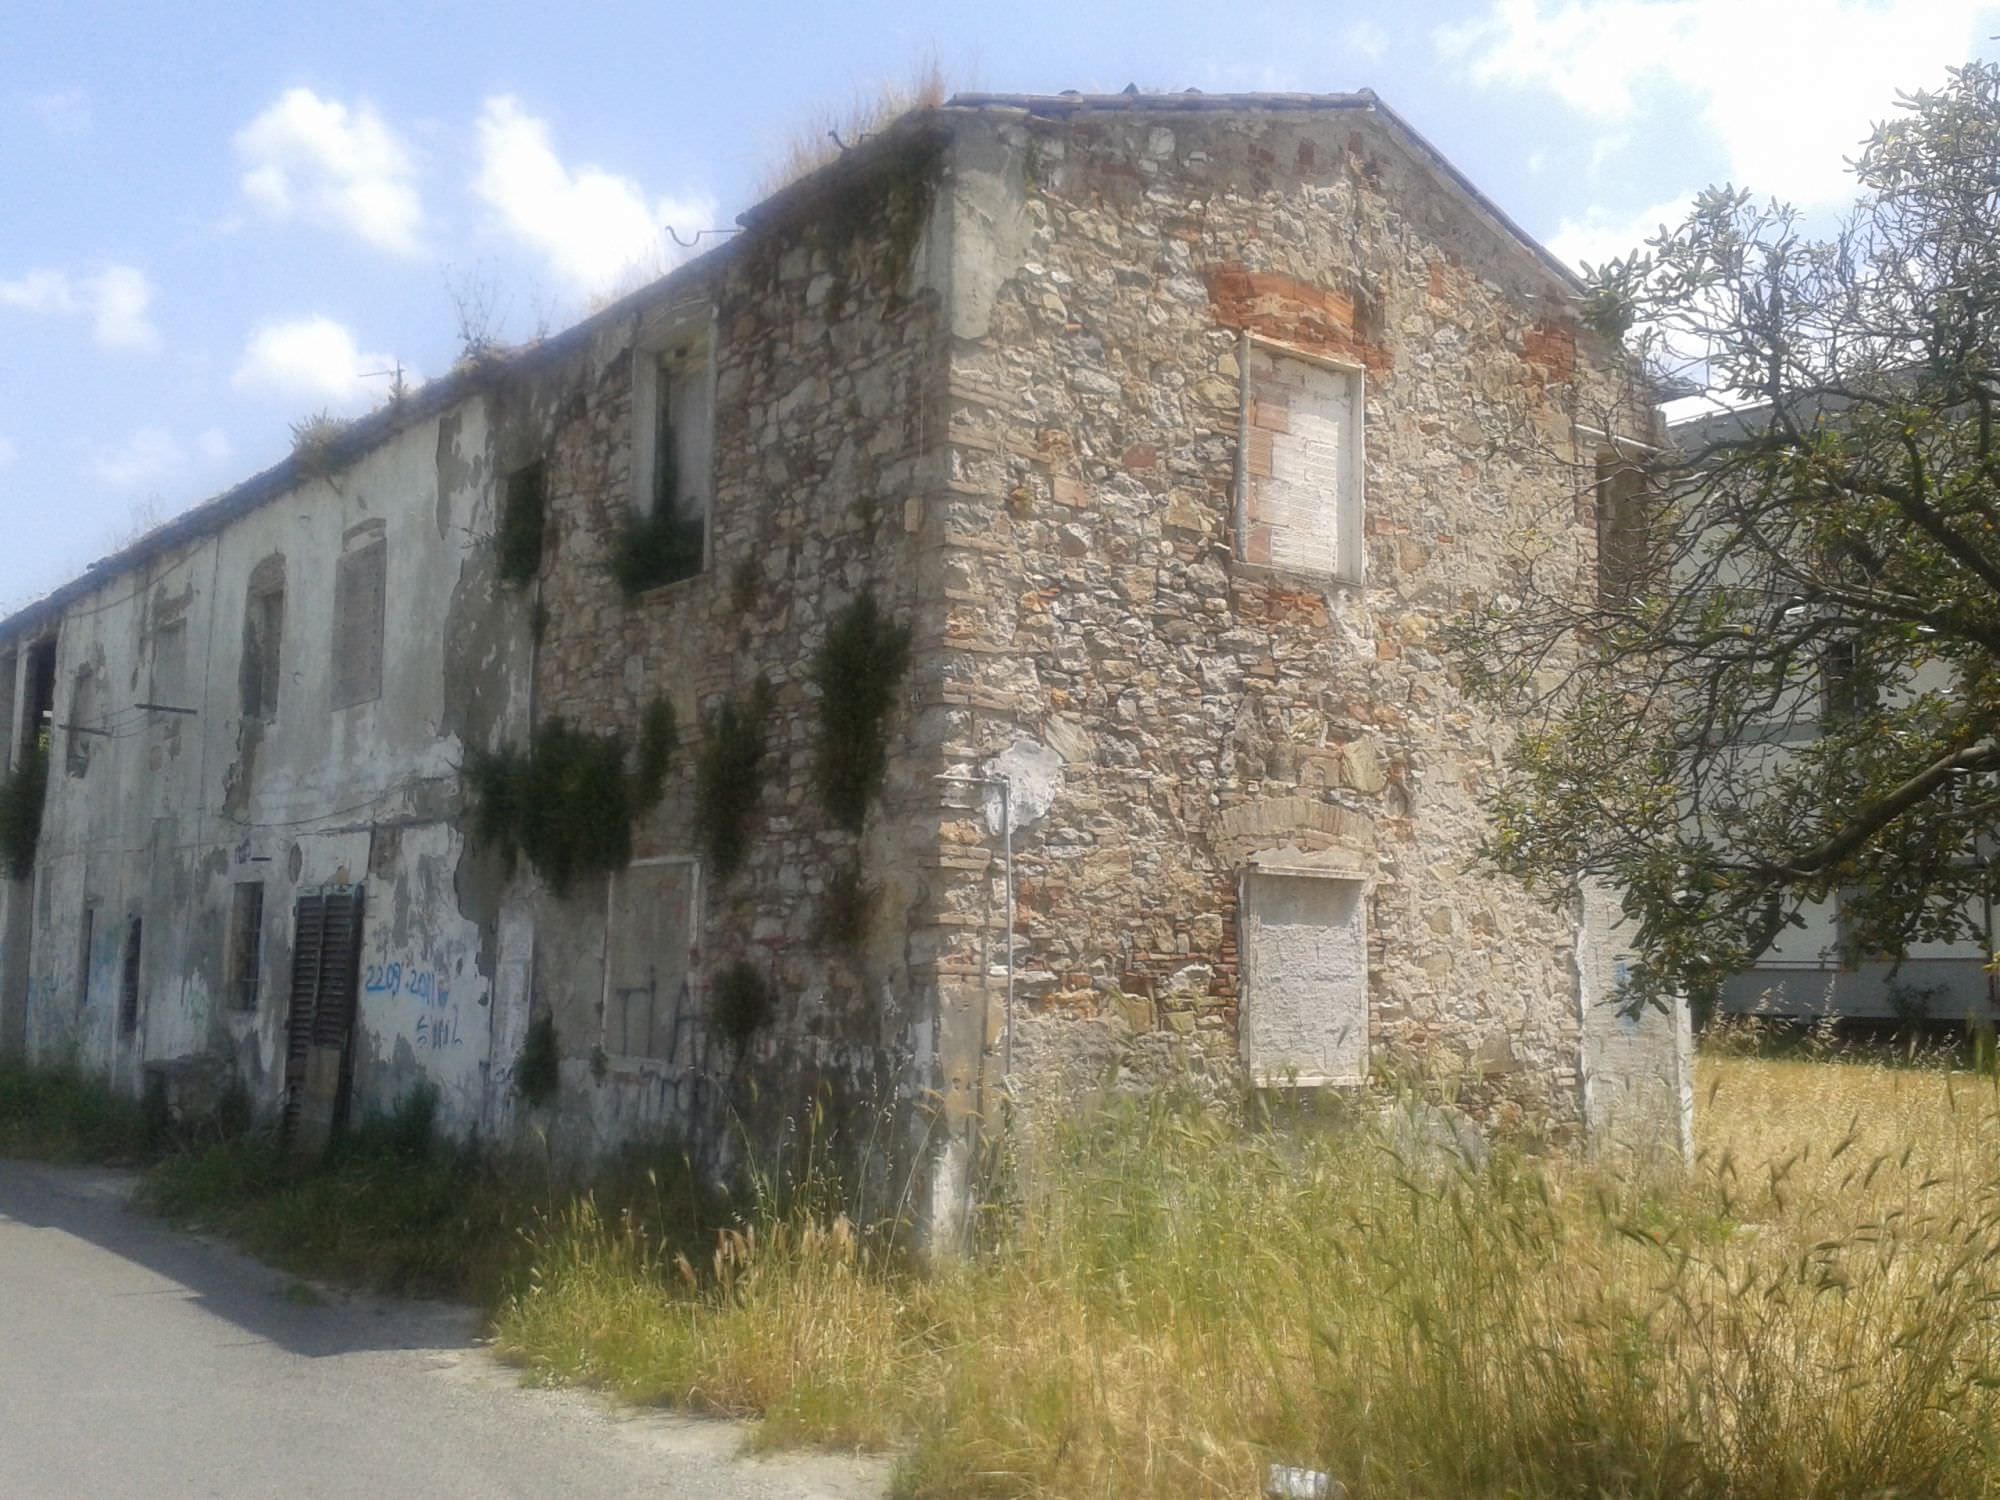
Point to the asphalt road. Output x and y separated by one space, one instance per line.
136 1361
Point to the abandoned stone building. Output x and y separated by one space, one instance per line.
1013 569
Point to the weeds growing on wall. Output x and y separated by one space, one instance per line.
523 521
665 544
845 907
729 777
568 802
743 1002
22 796
538 1071
857 670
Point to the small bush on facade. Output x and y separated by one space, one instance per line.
729 778
567 802
744 1002
856 670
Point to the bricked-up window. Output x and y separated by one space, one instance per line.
1304 1003
650 925
128 978
246 944
263 639
1302 467
359 595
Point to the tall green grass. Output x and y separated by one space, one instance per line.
1179 1302
56 1114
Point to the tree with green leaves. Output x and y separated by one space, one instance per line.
1785 688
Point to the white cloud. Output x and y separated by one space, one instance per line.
1366 40
595 230
313 360
148 457
1601 234
334 164
213 444
1788 88
117 300
63 112
8 452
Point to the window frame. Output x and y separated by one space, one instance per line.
244 973
261 674
681 352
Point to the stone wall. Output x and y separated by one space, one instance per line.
827 361
1205 714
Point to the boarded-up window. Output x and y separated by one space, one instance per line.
359 592
651 939
1305 980
263 639
1302 467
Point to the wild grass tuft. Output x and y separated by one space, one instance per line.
1177 1303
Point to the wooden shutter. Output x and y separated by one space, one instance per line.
326 965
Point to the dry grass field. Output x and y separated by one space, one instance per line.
1177 1304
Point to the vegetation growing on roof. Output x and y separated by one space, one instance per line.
568 802
856 670
729 776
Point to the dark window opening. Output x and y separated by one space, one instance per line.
38 724
523 518
246 944
83 954
263 640
128 981
1846 691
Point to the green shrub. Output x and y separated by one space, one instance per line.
743 1003
665 544
856 670
568 803
538 1073
22 795
845 907
729 778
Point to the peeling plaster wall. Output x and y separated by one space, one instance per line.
172 809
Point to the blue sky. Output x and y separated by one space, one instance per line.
216 220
